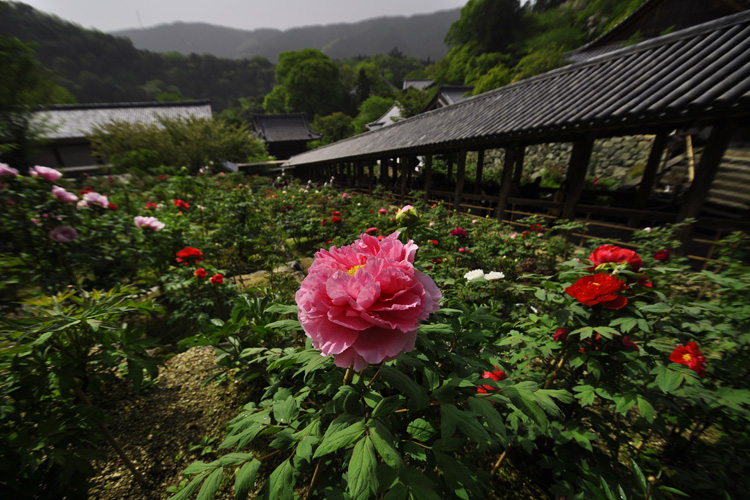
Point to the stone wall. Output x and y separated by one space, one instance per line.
613 157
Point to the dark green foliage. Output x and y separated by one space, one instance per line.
114 71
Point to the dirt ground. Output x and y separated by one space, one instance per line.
158 427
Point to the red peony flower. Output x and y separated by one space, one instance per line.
112 206
335 212
362 303
629 345
189 255
459 232
536 227
611 253
598 288
162 177
217 279
496 375
372 230
434 242
181 204
561 334
323 222
201 273
661 255
691 356
151 205
336 219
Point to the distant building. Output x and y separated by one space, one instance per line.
389 118
417 84
285 135
447 95
67 126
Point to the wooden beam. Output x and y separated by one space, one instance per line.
480 172
705 174
460 175
511 152
427 176
579 161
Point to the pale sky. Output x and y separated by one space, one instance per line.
112 15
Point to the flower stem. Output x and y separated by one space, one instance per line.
500 461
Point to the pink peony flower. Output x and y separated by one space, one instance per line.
94 198
47 173
383 211
151 223
6 170
363 302
63 195
63 234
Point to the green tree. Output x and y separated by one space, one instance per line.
492 25
24 87
497 77
413 101
334 127
370 110
190 142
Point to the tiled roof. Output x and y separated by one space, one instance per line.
417 84
284 127
654 17
389 118
701 73
78 120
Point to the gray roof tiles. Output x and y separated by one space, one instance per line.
700 73
284 127
78 120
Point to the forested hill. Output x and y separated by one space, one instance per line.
97 67
419 36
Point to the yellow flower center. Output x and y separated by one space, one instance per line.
354 269
686 357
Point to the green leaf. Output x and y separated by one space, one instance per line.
647 411
281 482
398 492
586 394
245 479
285 411
281 309
383 441
285 325
340 439
669 380
639 476
197 467
234 458
387 406
188 490
417 398
421 430
208 490
361 472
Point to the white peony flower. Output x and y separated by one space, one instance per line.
494 275
474 275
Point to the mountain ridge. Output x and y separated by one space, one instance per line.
420 36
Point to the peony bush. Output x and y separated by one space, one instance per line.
421 354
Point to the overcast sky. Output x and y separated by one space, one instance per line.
111 15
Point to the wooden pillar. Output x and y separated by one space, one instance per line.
480 171
450 159
405 162
705 175
383 171
460 174
511 152
579 161
518 172
427 176
649 174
